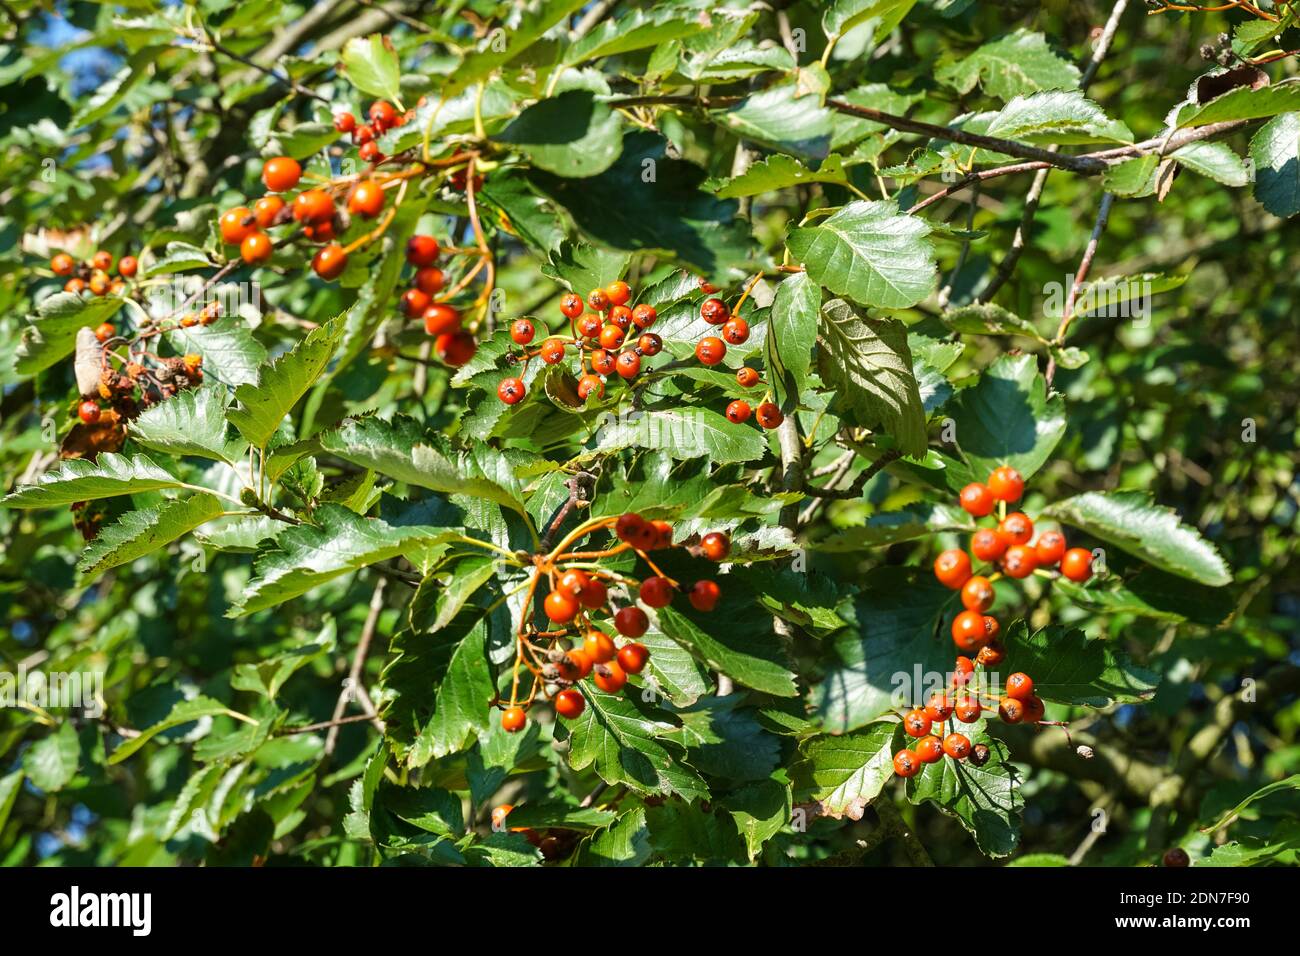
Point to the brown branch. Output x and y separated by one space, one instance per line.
358 664
854 490
1081 276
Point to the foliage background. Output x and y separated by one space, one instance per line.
114 118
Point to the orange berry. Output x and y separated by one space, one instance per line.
1006 484
1049 548
987 545
570 703
440 319
977 593
952 568
63 264
1019 561
1016 528
1076 564
513 721
599 646
281 174
236 225
609 676
367 199
265 211
330 262
256 248
313 206
976 499
560 607
633 657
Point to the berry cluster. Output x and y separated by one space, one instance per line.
612 338
1009 544
95 275
712 349
573 648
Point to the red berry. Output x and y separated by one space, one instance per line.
430 279
704 595
952 568
929 749
967 710
716 546
570 703
644 315
454 348
513 720
102 260
363 134
987 545
747 377
1076 564
63 264
367 199
977 594
511 390
599 647
1019 561
1016 528
88 411
939 707
574 580
382 114
281 174
956 746
344 122
266 211
236 225
522 331
313 206
618 292
127 266
907 763
319 231
1049 548
633 657
414 302
976 499
768 415
611 336
571 305
1011 710
628 364
256 248
421 250
552 351
736 331
104 331
590 385
621 316
738 412
598 300
991 654
650 344
576 665
330 261
1020 686
594 594
631 621
714 311
656 592
602 361
1006 484
962 670
560 607
369 152
440 319
609 676
589 326
710 350
968 631
707 287
1034 709
916 723
629 527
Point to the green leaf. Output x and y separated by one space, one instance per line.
650 202
672 670
570 135
727 640
869 252
308 555
402 451
890 527
683 432
520 30
267 676
625 842
727 741
1215 160
784 118
635 30
51 762
1014 65
462 708
986 800
618 735
844 773
985 318
1056 116
179 257
1132 178
1069 668
1275 153
1006 418
791 335
1242 103
185 712
1039 859
760 811
681 832
441 596
841 16
868 361
51 334
78 479
262 407
10 785
1290 783
142 532
1151 593
372 66
1131 521
583 267
777 171
191 422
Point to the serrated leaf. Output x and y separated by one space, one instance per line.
51 334
262 407
726 741
844 773
267 676
868 361
684 432
1215 160
372 67
191 422
672 670
185 712
986 800
1007 418
462 707
440 596
51 762
341 541
727 641
869 252
1275 153
625 842
985 318
584 267
784 118
142 532
1014 65
231 355
635 30
178 257
1069 668
1242 103
842 16
680 832
1132 178
82 480
791 335
572 134
1151 593
1062 117
777 171
524 27
760 811
890 527
617 735
1132 521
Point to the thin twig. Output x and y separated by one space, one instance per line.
358 664
854 490
1080 276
